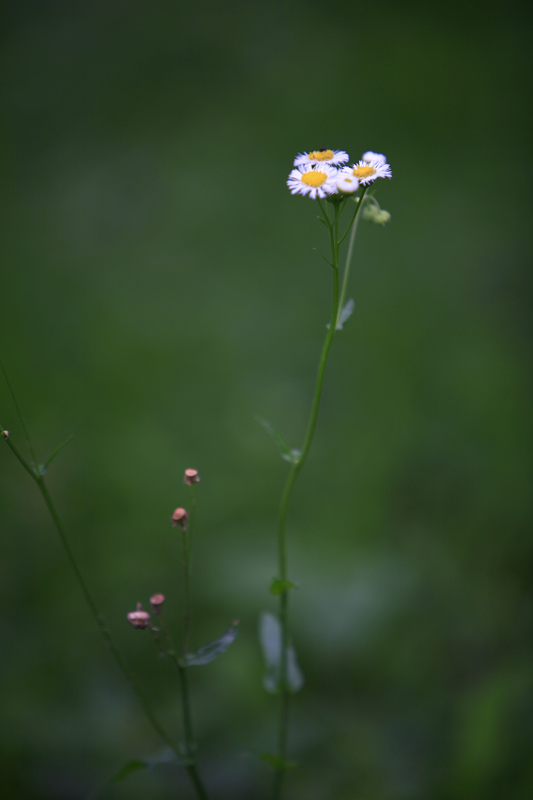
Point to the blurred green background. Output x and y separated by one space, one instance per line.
160 288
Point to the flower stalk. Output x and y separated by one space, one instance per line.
319 181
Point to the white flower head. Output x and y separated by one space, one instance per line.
314 181
321 156
366 172
371 156
347 183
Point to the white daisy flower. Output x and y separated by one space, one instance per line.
367 171
371 156
347 183
316 182
322 156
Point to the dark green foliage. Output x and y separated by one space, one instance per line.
159 289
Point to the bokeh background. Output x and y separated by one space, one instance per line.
160 288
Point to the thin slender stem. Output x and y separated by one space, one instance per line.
186 590
38 477
190 745
190 748
190 766
14 449
20 416
186 542
98 618
104 630
295 470
349 252
192 771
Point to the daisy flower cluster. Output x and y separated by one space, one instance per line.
323 172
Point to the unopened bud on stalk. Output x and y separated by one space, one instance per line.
5 434
156 601
180 517
191 476
347 183
373 213
139 618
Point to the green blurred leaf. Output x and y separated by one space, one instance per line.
208 653
270 638
132 766
287 453
55 453
277 586
276 762
488 725
137 764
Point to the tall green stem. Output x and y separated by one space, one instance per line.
295 470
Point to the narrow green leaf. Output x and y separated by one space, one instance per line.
277 586
137 764
270 638
346 313
276 762
323 256
132 766
55 453
286 453
208 653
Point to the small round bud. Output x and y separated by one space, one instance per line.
347 183
334 199
139 618
156 601
180 517
191 476
5 434
376 157
373 213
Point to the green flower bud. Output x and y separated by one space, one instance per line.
373 213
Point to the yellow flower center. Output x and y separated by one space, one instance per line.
321 155
314 178
364 172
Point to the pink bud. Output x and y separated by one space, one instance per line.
180 517
156 601
139 618
191 476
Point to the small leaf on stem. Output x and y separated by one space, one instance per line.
136 764
286 453
346 313
276 762
277 586
208 653
270 638
56 452
132 766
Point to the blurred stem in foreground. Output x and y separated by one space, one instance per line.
296 467
37 474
